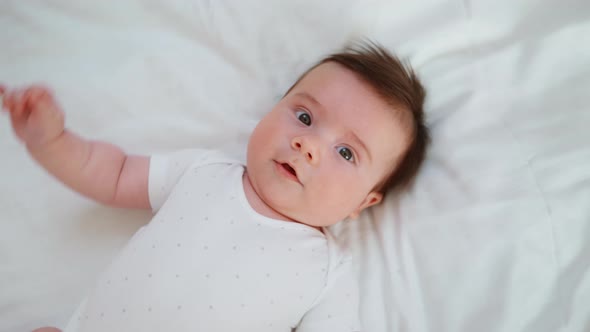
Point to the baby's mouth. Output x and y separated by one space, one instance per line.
289 169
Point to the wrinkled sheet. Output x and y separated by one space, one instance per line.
493 236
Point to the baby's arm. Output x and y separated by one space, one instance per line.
47 329
98 170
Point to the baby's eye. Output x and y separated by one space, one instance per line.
304 117
346 153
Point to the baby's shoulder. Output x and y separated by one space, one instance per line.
194 158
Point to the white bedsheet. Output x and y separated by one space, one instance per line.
494 235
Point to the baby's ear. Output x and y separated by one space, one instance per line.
372 198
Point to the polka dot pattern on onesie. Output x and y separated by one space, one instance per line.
205 257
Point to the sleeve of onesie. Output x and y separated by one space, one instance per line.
338 308
165 170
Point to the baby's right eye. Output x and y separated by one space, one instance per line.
304 117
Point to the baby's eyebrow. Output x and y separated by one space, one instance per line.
310 98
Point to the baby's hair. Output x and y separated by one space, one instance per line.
398 85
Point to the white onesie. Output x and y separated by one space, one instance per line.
208 262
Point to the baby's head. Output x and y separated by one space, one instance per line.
350 129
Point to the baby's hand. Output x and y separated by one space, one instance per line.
36 118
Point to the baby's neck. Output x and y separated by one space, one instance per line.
261 207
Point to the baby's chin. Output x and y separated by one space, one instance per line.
318 222
312 225
289 213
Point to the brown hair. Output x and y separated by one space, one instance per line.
397 84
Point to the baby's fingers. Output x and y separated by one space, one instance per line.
37 95
9 100
17 102
2 90
5 98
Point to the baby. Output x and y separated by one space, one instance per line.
236 247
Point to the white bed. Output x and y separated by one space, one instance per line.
493 236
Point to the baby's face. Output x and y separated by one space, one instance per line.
317 156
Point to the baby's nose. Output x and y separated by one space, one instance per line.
307 147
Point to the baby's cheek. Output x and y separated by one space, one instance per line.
334 195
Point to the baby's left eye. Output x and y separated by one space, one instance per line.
304 117
346 153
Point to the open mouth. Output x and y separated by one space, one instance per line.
289 169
